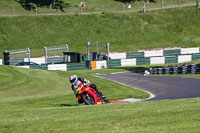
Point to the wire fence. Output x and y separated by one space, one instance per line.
118 7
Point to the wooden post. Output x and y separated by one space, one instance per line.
101 8
124 6
180 2
80 10
58 10
197 3
36 11
144 7
13 11
161 4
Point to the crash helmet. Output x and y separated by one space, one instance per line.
73 79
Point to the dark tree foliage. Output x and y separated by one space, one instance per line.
54 4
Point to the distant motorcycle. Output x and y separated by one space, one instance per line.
147 72
90 96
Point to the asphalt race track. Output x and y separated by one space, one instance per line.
161 87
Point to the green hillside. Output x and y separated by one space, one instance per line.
134 31
27 7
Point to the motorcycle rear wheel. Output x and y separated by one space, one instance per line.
88 99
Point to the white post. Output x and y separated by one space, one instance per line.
67 48
144 7
29 54
161 4
45 54
36 11
124 7
88 47
108 44
197 3
180 3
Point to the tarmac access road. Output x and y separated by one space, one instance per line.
161 87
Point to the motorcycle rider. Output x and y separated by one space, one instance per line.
148 72
75 81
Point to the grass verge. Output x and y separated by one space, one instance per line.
133 31
42 101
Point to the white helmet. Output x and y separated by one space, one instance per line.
73 79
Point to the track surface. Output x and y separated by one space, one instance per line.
161 87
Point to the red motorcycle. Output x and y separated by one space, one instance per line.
90 96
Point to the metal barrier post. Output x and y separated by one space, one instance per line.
29 54
88 47
45 54
108 44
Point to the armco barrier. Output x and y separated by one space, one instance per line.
169 60
55 60
143 61
113 63
40 60
76 66
117 55
24 66
43 67
171 52
134 55
101 64
189 50
157 60
153 53
128 62
184 58
62 67
195 57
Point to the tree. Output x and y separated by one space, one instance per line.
54 4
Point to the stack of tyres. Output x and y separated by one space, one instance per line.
153 71
189 69
159 70
198 69
167 70
193 69
175 70
171 70
184 69
179 71
163 71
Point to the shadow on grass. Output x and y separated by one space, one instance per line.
33 4
66 105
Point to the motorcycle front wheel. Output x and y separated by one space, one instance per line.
88 99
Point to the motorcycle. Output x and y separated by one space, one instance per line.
90 96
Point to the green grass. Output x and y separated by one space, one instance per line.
134 31
23 84
8 7
42 101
